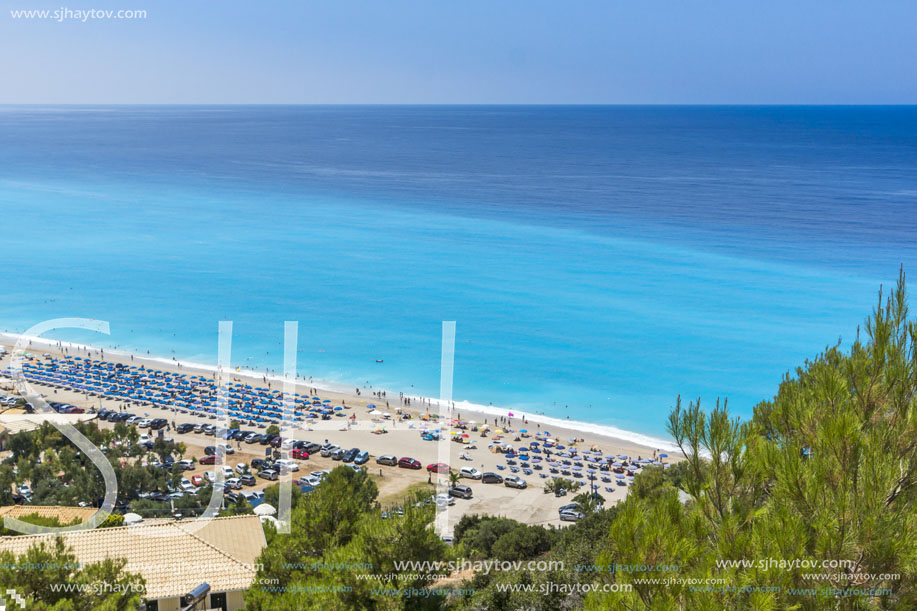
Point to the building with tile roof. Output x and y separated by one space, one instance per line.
64 514
173 557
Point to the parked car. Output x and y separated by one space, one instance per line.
158 423
311 480
186 427
258 463
299 454
350 454
185 485
247 479
286 464
387 459
210 450
253 496
241 468
439 467
269 474
409 463
227 449
461 491
491 478
469 473
186 465
442 499
514 481
210 476
233 483
276 441
571 515
361 458
197 480
338 454
312 448
328 451
253 438
198 428
208 460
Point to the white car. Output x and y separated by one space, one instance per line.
144 423
144 439
320 475
233 483
311 480
227 449
470 473
24 490
186 485
242 468
442 499
287 444
253 495
286 464
210 476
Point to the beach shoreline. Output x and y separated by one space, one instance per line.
626 442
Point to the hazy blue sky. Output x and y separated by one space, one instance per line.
465 51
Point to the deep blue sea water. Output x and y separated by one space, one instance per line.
599 261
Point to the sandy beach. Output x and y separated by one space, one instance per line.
358 428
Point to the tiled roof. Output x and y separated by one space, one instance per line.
65 515
172 557
29 422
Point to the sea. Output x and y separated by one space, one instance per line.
598 261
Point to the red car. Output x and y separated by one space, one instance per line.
409 463
197 480
208 460
438 467
299 453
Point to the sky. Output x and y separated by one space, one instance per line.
461 51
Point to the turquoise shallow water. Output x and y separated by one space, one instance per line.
598 261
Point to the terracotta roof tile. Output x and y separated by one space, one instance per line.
173 557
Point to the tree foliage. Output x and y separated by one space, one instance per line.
341 553
49 576
824 472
